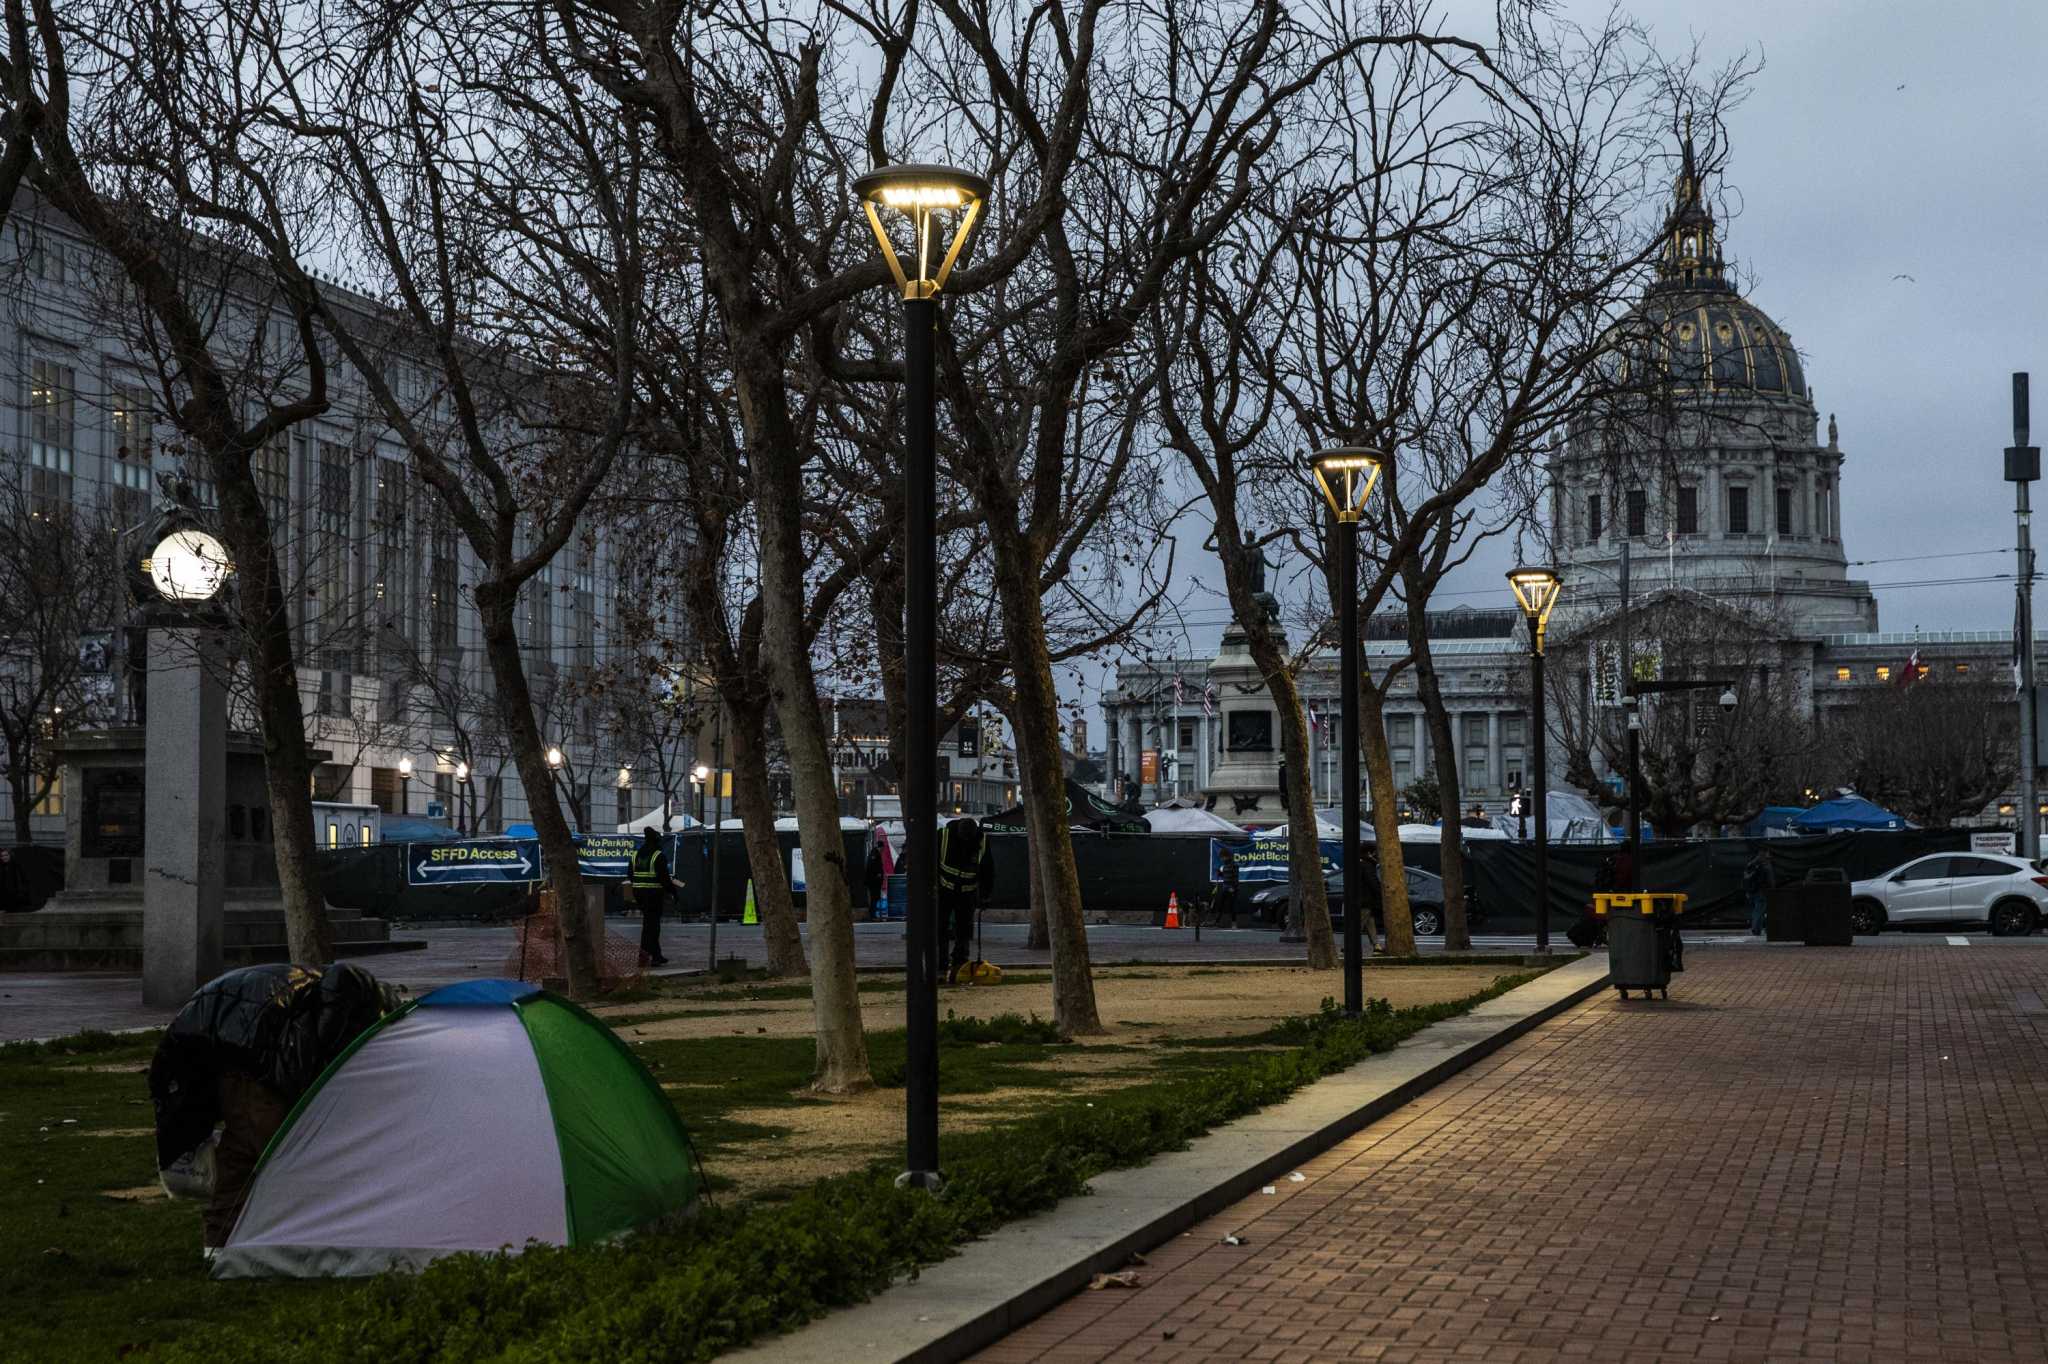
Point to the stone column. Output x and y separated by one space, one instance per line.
184 803
1496 779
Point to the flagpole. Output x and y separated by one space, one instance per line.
1176 730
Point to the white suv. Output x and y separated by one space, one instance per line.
2009 893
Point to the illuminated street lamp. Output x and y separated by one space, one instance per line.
555 758
405 785
923 202
1346 474
1536 592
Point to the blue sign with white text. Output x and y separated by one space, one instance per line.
495 861
1265 859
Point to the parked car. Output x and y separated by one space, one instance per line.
1425 902
2008 893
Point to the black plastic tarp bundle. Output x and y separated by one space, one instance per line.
280 1024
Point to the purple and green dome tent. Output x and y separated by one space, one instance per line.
479 1117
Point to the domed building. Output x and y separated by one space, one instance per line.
1704 456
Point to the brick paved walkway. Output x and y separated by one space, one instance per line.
1835 1154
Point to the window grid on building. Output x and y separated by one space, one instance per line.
1738 511
52 433
1688 510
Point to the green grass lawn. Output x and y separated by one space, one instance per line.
86 1275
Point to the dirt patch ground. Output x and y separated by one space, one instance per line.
1144 1009
1136 1003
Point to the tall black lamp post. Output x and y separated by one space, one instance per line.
919 199
1536 590
1346 474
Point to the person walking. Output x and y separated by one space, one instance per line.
1758 878
650 883
877 872
967 875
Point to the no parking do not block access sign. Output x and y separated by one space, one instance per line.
495 861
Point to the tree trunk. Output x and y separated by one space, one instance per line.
776 452
274 678
1044 787
18 785
748 731
1039 936
1396 918
1457 933
494 604
1309 906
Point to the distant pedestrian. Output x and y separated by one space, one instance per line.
1223 900
1757 878
967 876
1369 924
880 865
649 885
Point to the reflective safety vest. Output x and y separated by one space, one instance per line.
952 875
644 876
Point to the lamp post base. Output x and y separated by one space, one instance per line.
930 1180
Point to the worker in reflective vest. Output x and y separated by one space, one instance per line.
967 874
650 884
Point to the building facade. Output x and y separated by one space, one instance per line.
392 672
1718 487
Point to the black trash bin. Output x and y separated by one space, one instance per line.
1824 910
1785 914
1636 955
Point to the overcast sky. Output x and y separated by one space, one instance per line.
1880 139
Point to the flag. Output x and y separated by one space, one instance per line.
1314 722
1908 673
1180 695
1209 699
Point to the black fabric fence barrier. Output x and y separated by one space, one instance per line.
1135 873
1708 871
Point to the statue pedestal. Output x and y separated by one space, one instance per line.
96 923
1245 782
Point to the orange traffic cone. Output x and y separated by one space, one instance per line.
1173 909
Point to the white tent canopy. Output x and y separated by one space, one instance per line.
1189 820
1324 829
652 820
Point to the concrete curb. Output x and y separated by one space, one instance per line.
995 1285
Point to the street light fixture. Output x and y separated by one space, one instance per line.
1536 590
555 758
1346 474
405 785
920 198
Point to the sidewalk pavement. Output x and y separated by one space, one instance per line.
1806 1154
1001 1282
53 1004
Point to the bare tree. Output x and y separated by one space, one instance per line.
60 579
1703 762
1933 750
125 120
1458 268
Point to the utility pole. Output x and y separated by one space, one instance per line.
2023 466
1633 707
